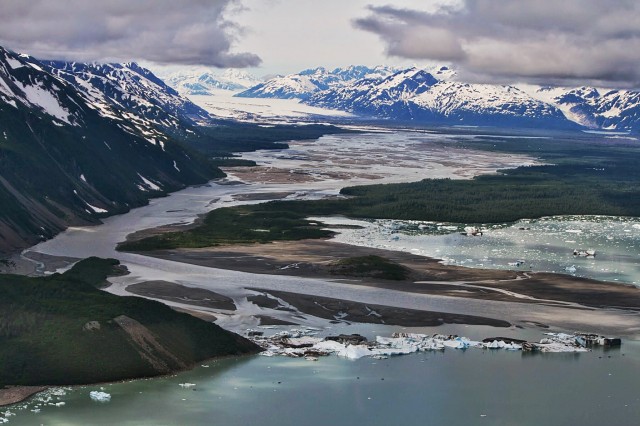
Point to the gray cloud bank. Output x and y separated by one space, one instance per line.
534 40
190 32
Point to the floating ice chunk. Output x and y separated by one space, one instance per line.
496 344
99 396
457 343
187 385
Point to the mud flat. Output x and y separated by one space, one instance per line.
313 259
16 394
178 293
339 310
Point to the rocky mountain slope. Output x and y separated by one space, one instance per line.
132 95
75 147
595 108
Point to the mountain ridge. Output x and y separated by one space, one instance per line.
406 96
66 160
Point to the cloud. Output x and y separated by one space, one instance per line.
543 40
188 32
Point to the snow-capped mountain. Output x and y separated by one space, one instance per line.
415 94
69 153
304 84
596 108
24 83
204 82
131 94
434 95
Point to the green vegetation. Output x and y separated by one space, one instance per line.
232 162
370 267
60 329
260 223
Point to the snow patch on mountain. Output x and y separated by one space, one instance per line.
38 95
39 89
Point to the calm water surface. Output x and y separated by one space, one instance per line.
471 387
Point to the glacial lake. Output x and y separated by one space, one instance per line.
454 387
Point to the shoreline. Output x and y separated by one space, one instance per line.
16 394
22 392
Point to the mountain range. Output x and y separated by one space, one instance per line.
205 82
435 96
304 84
81 141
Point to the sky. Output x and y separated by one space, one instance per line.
591 42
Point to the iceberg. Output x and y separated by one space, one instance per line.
298 345
99 396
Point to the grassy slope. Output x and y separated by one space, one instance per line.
235 225
370 266
42 340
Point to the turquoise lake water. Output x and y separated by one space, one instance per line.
455 387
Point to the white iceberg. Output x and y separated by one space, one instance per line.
100 396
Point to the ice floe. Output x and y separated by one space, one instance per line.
300 344
99 396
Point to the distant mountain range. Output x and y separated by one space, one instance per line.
81 141
435 96
308 82
205 82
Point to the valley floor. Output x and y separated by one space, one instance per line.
575 297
